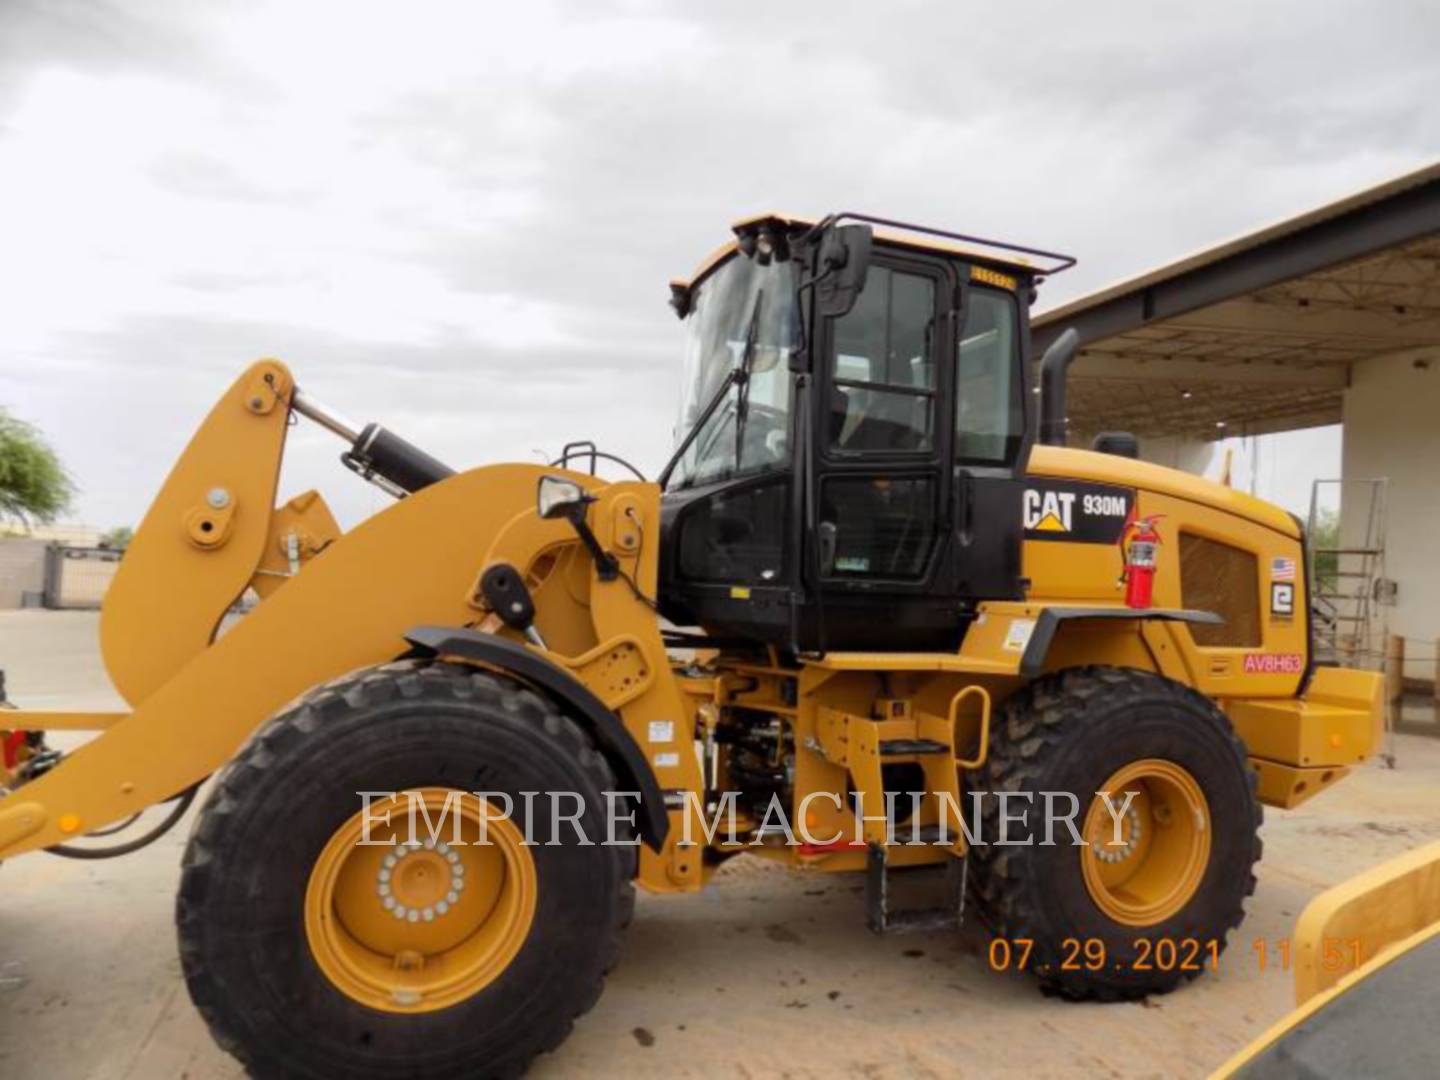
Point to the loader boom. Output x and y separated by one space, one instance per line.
202 538
197 698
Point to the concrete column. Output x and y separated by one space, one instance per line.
1392 430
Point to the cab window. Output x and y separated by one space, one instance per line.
882 388
989 408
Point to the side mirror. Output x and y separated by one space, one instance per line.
844 260
559 498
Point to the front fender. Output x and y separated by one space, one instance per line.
602 724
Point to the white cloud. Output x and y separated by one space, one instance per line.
460 218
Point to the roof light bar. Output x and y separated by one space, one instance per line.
1064 262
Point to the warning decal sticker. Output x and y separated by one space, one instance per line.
1075 511
1018 636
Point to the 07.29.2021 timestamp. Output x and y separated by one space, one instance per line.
1167 954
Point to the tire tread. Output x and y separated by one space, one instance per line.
305 719
1037 722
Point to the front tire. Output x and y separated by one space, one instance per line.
1146 900
311 956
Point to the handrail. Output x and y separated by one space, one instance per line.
1065 262
983 749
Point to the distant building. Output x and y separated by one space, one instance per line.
71 533
53 566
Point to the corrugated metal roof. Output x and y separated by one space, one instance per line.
1244 242
1259 334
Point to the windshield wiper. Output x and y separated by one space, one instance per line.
698 426
739 374
742 376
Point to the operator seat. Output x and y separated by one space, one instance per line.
872 428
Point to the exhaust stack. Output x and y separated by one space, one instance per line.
1053 367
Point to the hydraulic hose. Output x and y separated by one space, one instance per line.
182 803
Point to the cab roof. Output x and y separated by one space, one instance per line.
1020 262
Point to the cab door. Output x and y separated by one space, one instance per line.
880 487
990 444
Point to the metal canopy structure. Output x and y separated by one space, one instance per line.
1259 334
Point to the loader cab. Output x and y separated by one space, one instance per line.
854 425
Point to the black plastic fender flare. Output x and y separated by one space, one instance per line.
602 724
1032 662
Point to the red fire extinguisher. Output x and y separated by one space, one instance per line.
1141 541
10 744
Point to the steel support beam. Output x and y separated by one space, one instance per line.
1397 219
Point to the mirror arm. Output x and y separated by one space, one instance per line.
607 567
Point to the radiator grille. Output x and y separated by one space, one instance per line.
1223 579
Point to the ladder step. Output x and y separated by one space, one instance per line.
882 920
926 834
920 921
899 747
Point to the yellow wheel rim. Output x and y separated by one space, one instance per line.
1146 869
416 927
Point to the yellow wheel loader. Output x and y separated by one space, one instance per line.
874 617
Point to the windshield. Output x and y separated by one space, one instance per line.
743 315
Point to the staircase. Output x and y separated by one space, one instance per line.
895 734
1346 606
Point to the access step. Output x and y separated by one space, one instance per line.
881 919
905 747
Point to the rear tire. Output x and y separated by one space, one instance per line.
249 958
1076 732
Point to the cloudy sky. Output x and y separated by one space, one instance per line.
460 218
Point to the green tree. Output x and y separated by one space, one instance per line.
1326 535
34 486
118 538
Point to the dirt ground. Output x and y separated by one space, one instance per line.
766 973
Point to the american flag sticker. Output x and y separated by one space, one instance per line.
1282 569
